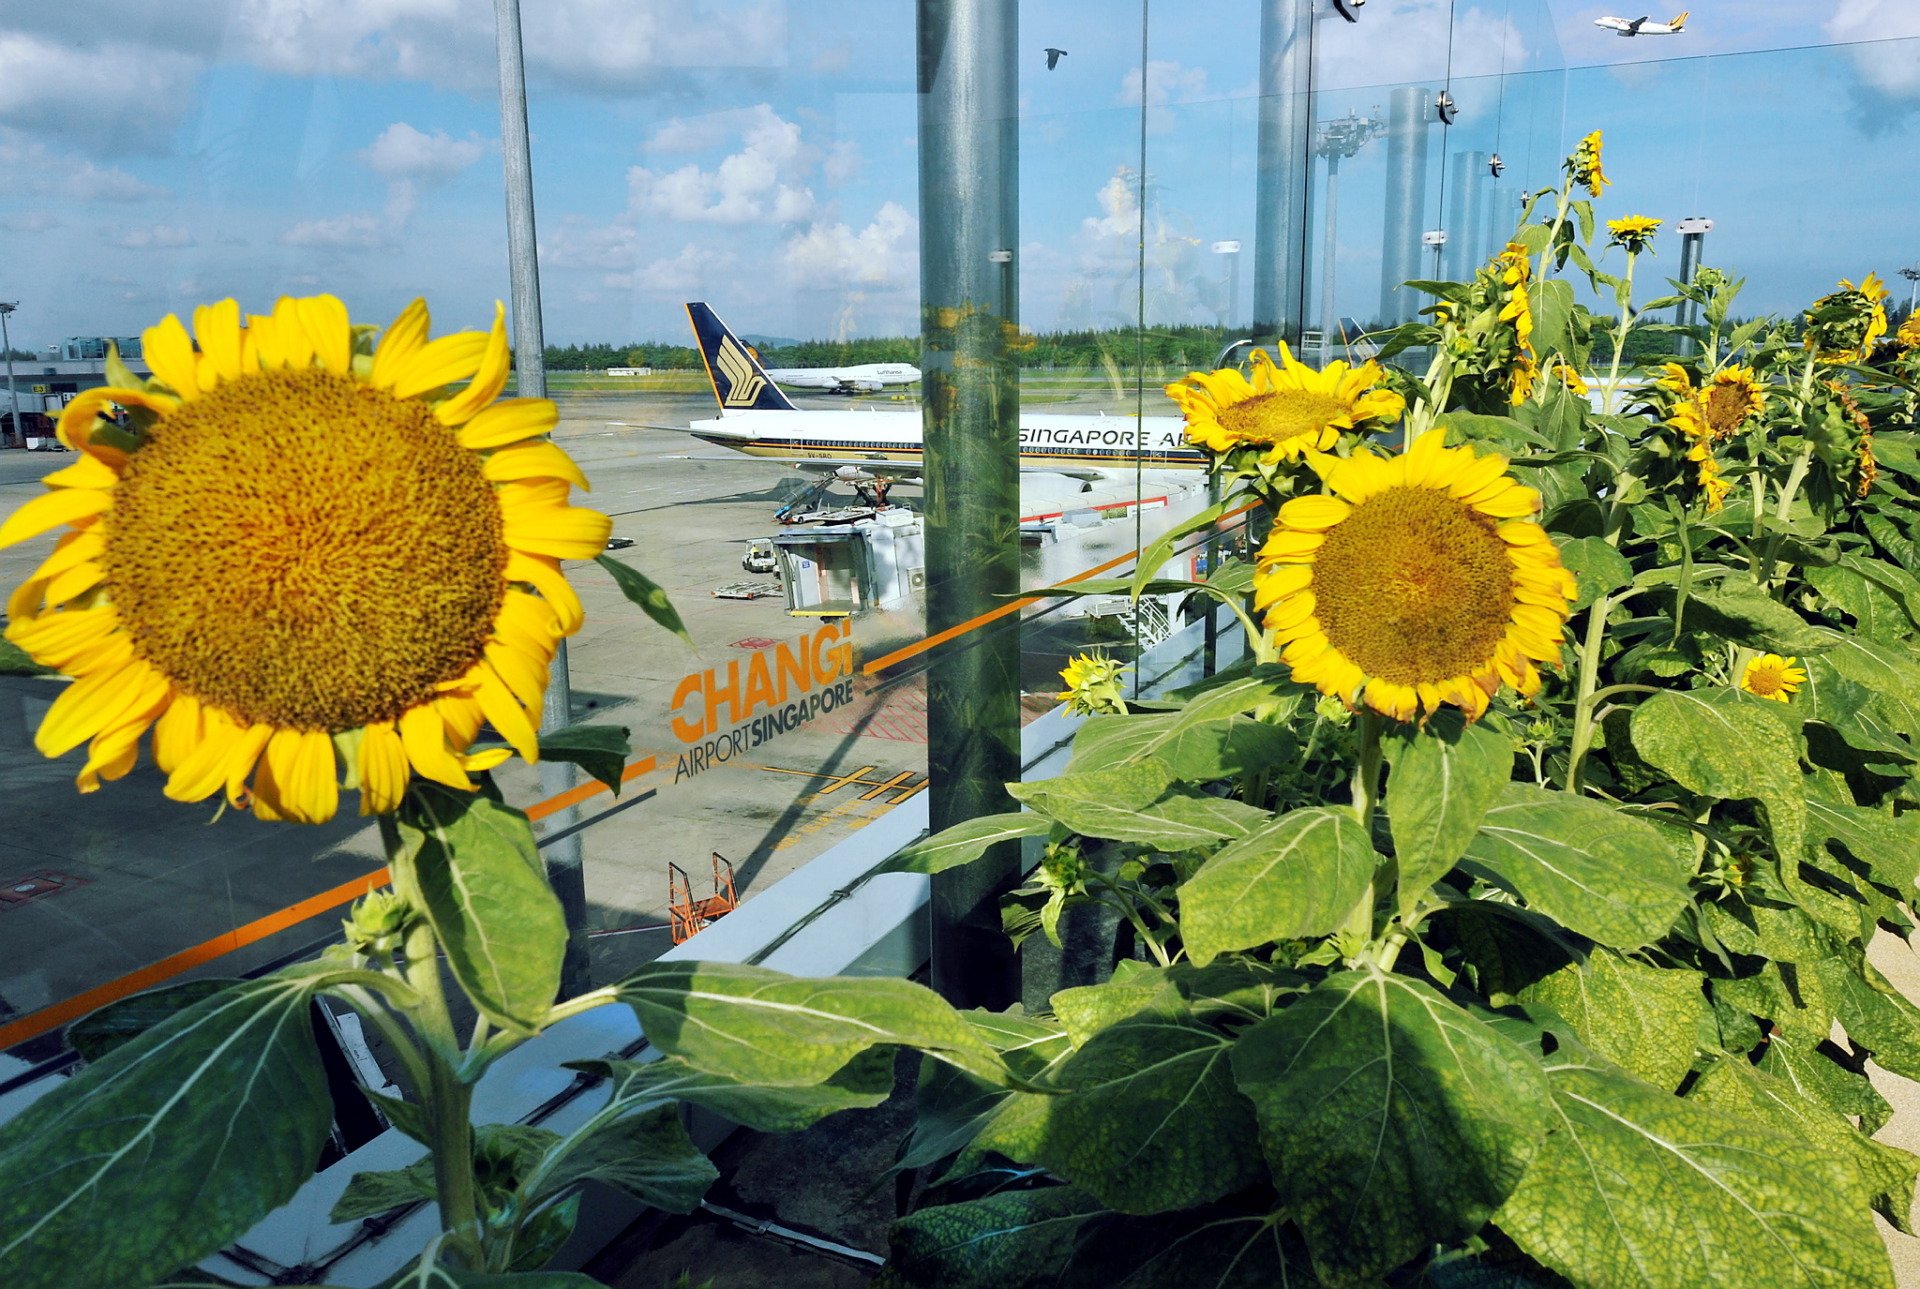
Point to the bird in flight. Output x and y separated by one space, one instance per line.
1495 165
1054 56
1641 27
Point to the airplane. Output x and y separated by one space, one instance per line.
1641 27
1060 454
867 378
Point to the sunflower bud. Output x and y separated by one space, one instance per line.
378 922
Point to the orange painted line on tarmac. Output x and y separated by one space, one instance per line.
592 788
918 647
156 973
71 1009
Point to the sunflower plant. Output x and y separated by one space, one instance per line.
308 558
1504 915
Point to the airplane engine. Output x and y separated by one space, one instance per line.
868 386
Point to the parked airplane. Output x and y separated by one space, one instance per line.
759 420
867 378
1641 27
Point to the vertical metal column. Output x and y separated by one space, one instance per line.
1283 169
13 395
1407 119
1466 248
1693 243
564 865
970 402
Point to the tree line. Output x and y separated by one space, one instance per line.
1185 346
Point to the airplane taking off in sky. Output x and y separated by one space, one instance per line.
867 378
759 420
1641 27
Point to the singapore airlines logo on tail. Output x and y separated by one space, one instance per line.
743 382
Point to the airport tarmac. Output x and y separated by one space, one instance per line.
125 877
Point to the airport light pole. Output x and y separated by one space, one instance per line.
13 395
1334 141
970 406
1912 275
1693 240
1230 252
565 864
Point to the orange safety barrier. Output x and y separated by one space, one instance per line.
156 973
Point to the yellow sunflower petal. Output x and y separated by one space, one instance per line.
298 778
509 421
543 573
1511 504
202 768
536 460
115 748
243 754
442 362
404 338
56 508
1314 513
178 732
77 580
217 327
505 714
1286 546
383 769
327 327
88 705
565 532
495 362
424 736
87 472
290 334
168 350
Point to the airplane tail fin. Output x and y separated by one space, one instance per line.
1681 21
739 381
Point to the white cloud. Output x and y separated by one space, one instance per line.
1888 67
761 183
29 221
882 254
34 168
403 152
411 161
1166 82
158 236
1415 50
111 97
691 270
346 232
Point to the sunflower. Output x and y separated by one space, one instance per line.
1511 270
1909 334
1287 409
1584 165
1571 379
1718 408
309 563
1418 582
1844 325
1093 686
1713 484
1634 233
1772 677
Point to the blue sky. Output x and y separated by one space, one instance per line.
760 153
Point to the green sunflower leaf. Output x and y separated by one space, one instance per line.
600 750
1643 1018
1296 877
187 1135
474 869
966 841
1638 1189
1720 743
1597 872
643 591
1387 1109
1444 777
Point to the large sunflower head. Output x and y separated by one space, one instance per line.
304 562
1909 334
1718 408
1844 325
1287 409
1418 581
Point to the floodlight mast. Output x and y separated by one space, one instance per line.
13 394
1693 239
564 857
1334 140
1912 275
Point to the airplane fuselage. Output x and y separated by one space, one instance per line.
866 377
1156 442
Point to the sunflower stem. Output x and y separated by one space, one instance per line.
1620 336
1366 772
1585 697
1795 477
449 1109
